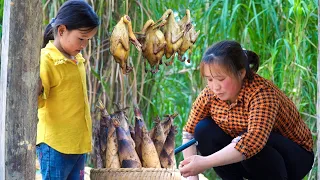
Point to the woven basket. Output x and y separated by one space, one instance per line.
135 174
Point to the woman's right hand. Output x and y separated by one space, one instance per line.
194 165
193 178
190 151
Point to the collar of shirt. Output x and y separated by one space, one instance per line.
59 58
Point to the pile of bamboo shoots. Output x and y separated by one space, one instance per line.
124 146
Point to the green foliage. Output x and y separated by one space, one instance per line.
283 33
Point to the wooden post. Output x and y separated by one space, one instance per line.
21 43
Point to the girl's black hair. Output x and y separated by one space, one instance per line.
74 14
232 56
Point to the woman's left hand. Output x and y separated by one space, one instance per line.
193 165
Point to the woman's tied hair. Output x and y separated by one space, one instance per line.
232 56
245 52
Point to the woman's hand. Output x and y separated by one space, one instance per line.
193 165
193 178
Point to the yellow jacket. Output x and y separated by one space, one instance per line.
63 108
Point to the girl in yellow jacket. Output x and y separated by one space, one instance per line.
64 127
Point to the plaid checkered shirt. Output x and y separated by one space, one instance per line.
259 109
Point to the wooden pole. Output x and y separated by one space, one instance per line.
21 43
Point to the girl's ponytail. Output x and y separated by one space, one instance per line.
48 35
253 60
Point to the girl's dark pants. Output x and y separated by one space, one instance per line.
280 159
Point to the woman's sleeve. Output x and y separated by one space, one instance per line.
199 110
263 110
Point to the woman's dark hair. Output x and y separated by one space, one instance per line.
232 56
74 14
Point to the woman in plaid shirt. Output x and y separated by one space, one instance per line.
245 126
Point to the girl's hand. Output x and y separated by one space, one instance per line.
40 87
193 165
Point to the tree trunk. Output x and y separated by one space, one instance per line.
21 43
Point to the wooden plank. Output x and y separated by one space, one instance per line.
21 45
